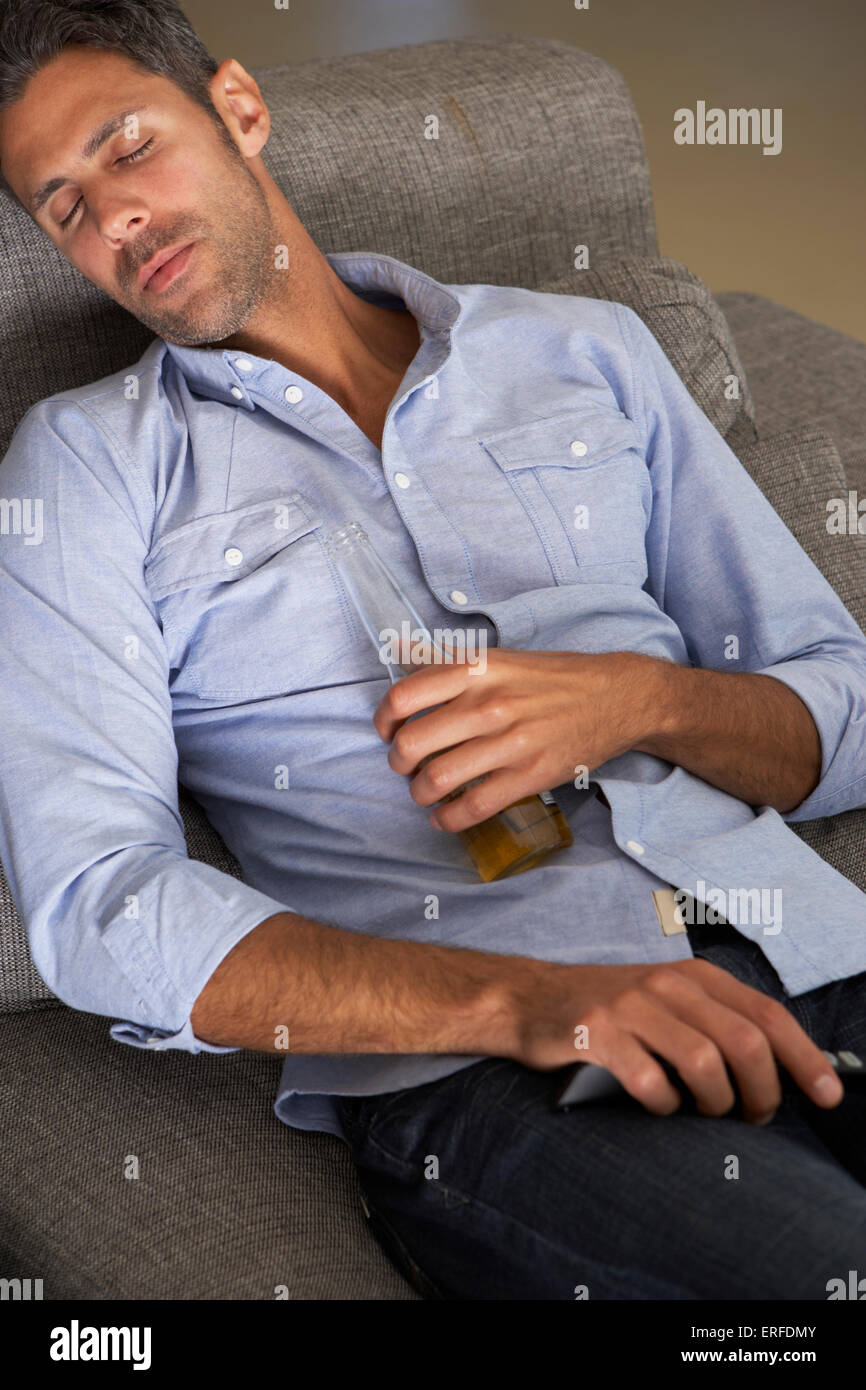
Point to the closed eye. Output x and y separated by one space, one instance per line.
125 159
136 154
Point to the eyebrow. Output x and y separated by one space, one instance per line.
92 147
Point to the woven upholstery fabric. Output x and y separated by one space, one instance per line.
21 985
799 471
539 150
229 1202
683 316
841 840
802 373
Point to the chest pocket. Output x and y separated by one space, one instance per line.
250 606
583 481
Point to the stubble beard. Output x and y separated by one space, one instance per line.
243 245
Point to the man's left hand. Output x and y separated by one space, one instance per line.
524 723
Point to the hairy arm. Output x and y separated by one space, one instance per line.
750 735
343 992
339 991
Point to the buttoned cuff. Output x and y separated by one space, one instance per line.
157 1040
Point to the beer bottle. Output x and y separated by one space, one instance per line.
513 840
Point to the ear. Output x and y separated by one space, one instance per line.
241 105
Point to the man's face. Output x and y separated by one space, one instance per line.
162 180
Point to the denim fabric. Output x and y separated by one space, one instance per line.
535 1203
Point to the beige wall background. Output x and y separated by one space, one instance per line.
789 226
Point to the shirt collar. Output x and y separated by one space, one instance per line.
378 278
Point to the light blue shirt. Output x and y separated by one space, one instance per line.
168 610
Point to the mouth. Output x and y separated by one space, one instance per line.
164 268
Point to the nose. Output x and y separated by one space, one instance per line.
120 220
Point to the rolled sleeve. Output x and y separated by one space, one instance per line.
156 1041
839 711
120 921
741 589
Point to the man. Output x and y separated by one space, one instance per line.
182 617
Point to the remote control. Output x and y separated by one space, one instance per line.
586 1082
849 1067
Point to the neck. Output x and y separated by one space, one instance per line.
313 324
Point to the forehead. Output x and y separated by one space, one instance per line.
42 134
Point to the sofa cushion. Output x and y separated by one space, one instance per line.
800 471
131 1174
681 313
802 374
21 985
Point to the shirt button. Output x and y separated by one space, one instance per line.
634 846
457 596
243 365
401 480
237 393
294 394
578 447
233 556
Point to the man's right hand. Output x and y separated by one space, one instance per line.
335 991
693 1014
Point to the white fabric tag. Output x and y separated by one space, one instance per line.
668 911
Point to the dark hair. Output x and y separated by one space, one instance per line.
156 34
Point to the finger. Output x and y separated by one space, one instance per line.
744 1046
689 1050
432 685
478 803
793 1047
452 768
640 1074
443 728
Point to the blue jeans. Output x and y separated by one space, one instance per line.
478 1188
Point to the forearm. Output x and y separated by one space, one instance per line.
336 991
750 735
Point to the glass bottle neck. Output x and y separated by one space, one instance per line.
388 615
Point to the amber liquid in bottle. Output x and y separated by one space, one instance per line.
513 840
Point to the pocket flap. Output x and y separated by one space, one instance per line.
227 545
573 439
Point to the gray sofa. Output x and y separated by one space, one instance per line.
539 151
